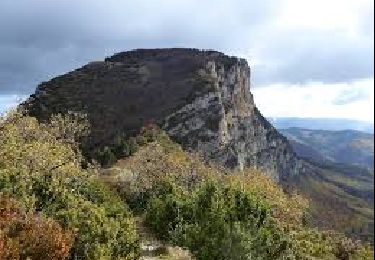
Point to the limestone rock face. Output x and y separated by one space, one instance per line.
224 125
202 99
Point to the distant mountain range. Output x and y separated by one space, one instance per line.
341 197
340 180
334 124
345 146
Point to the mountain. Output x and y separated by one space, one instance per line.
202 101
345 146
158 203
200 98
341 197
338 178
334 124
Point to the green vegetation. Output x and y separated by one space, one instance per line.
215 222
24 235
53 208
220 214
339 180
340 200
124 146
40 169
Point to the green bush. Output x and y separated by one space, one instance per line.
124 145
41 168
106 156
216 222
102 231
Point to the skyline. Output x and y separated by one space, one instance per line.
308 58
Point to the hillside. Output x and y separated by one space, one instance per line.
341 196
338 178
331 124
159 203
346 146
202 99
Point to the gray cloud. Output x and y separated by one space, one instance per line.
303 56
41 39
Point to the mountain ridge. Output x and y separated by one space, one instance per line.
168 86
203 101
334 124
343 146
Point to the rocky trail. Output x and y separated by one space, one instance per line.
154 249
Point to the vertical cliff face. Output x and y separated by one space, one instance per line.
201 98
224 124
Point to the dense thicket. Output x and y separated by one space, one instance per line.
40 169
221 214
53 208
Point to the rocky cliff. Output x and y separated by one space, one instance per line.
202 99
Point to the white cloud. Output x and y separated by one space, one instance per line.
316 100
288 43
8 102
332 15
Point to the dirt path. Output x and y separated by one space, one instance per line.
151 247
154 249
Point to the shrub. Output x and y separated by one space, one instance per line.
106 156
102 231
124 145
221 214
216 222
41 167
31 236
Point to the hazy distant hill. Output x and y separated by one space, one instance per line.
346 146
334 124
340 179
341 197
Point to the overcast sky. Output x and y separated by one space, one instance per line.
309 58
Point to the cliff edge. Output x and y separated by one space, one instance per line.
202 99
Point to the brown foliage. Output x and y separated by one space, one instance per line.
30 236
161 160
288 210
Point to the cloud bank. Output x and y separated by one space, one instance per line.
288 42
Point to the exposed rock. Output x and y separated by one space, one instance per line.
201 98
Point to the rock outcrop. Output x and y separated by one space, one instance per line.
202 99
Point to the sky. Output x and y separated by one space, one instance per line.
308 58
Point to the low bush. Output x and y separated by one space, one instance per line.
41 167
216 222
30 235
221 214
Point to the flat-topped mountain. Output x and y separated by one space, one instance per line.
202 99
